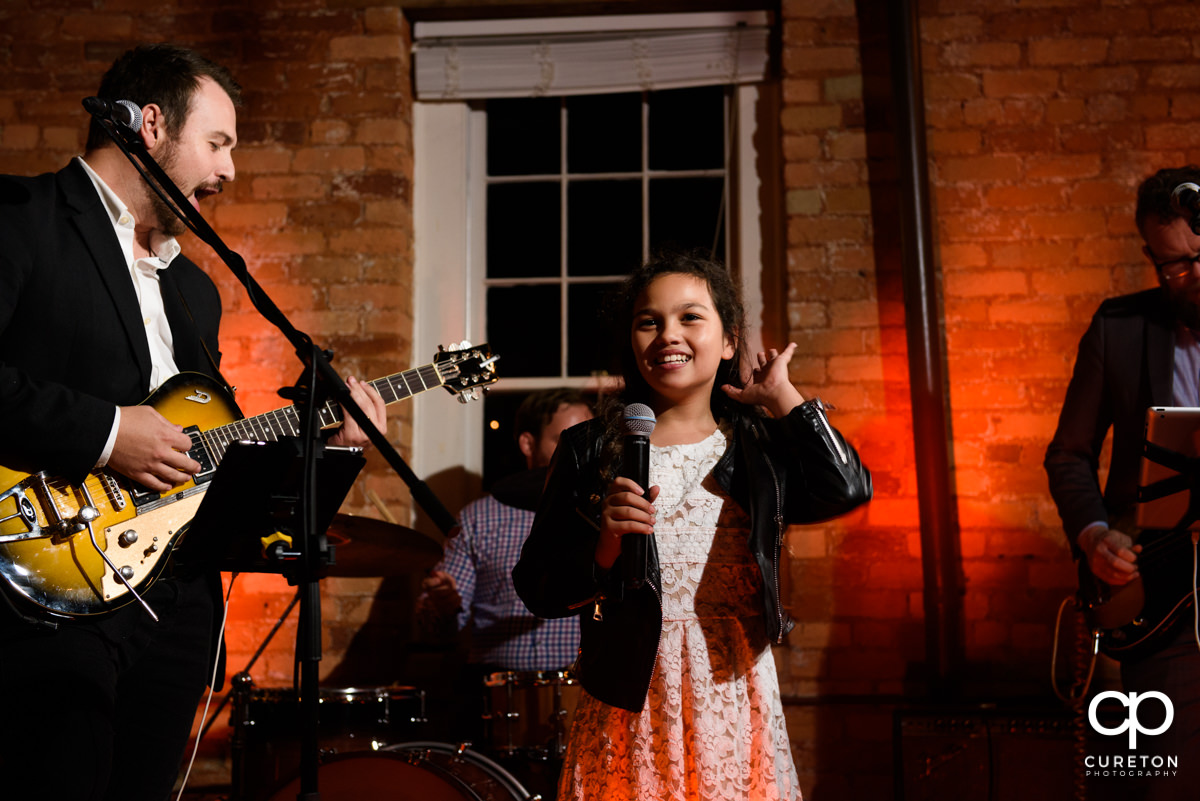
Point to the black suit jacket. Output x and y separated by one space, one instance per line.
72 342
1124 366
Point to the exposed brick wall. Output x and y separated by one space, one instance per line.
1040 122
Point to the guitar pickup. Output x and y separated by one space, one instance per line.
200 453
142 495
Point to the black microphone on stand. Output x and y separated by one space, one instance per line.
124 113
1186 202
635 464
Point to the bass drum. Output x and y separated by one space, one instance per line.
418 771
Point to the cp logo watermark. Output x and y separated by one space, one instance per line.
1131 700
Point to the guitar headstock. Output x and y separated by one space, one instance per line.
467 369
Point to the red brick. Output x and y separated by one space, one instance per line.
1106 21
950 28
291 187
1032 254
1020 83
799 119
1065 110
801 91
953 86
1083 280
817 9
1100 79
986 283
954 142
802 230
1061 52
982 54
1026 196
1126 49
1169 136
963 255
1067 224
1023 139
1071 167
820 59
1034 311
359 48
981 168
1180 16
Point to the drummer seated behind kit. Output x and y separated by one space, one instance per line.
471 587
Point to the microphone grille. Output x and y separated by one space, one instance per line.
639 419
135 114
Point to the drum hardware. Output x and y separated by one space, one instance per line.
528 713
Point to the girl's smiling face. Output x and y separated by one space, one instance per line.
678 337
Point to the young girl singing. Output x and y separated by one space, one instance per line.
680 696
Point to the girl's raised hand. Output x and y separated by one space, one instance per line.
768 385
625 511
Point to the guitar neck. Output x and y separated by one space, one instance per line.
285 422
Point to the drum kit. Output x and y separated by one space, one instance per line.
372 739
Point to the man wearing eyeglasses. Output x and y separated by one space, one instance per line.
1141 350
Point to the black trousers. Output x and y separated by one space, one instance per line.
98 711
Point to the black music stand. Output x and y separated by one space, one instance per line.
255 493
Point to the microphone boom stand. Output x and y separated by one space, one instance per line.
318 382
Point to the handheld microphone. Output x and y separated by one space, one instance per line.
1185 200
635 464
124 113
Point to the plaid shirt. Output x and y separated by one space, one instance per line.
480 558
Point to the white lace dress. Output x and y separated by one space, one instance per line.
712 726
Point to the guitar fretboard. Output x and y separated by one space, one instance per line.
285 422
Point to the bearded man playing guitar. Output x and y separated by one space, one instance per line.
98 308
1141 350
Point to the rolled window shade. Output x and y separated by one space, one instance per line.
588 55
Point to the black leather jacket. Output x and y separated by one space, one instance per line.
795 470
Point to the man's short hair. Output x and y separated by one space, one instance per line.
538 408
1154 194
165 74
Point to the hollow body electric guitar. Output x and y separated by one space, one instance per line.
74 550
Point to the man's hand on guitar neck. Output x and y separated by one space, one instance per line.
1111 554
370 401
151 449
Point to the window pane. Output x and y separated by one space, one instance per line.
684 214
604 227
604 133
687 129
523 230
501 456
591 334
524 325
523 136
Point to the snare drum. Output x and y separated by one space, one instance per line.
419 770
529 712
267 728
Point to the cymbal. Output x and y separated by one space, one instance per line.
368 547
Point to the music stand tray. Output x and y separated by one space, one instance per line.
1169 476
255 493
